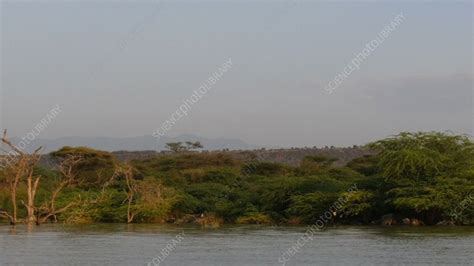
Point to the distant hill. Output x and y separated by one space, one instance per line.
292 156
143 143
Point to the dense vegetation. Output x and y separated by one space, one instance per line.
414 178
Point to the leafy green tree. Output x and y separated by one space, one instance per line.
423 155
263 168
366 165
95 167
175 146
427 174
315 164
358 204
312 205
193 145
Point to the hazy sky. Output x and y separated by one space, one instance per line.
121 68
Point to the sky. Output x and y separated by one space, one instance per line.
121 68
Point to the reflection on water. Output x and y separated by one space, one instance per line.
119 244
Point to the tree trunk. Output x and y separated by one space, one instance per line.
30 206
130 215
130 193
13 220
22 165
13 187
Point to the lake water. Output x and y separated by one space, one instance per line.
233 245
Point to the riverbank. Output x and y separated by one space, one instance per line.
413 179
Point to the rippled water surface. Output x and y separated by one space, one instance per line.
234 245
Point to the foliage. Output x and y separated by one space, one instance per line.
358 204
95 167
254 218
427 176
423 155
180 147
154 201
264 168
312 205
365 165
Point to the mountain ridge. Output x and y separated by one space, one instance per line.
138 143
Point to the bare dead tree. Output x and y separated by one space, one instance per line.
131 191
142 195
22 164
32 186
5 214
13 175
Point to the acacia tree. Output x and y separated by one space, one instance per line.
423 155
95 167
177 147
68 169
86 207
19 165
426 173
193 145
